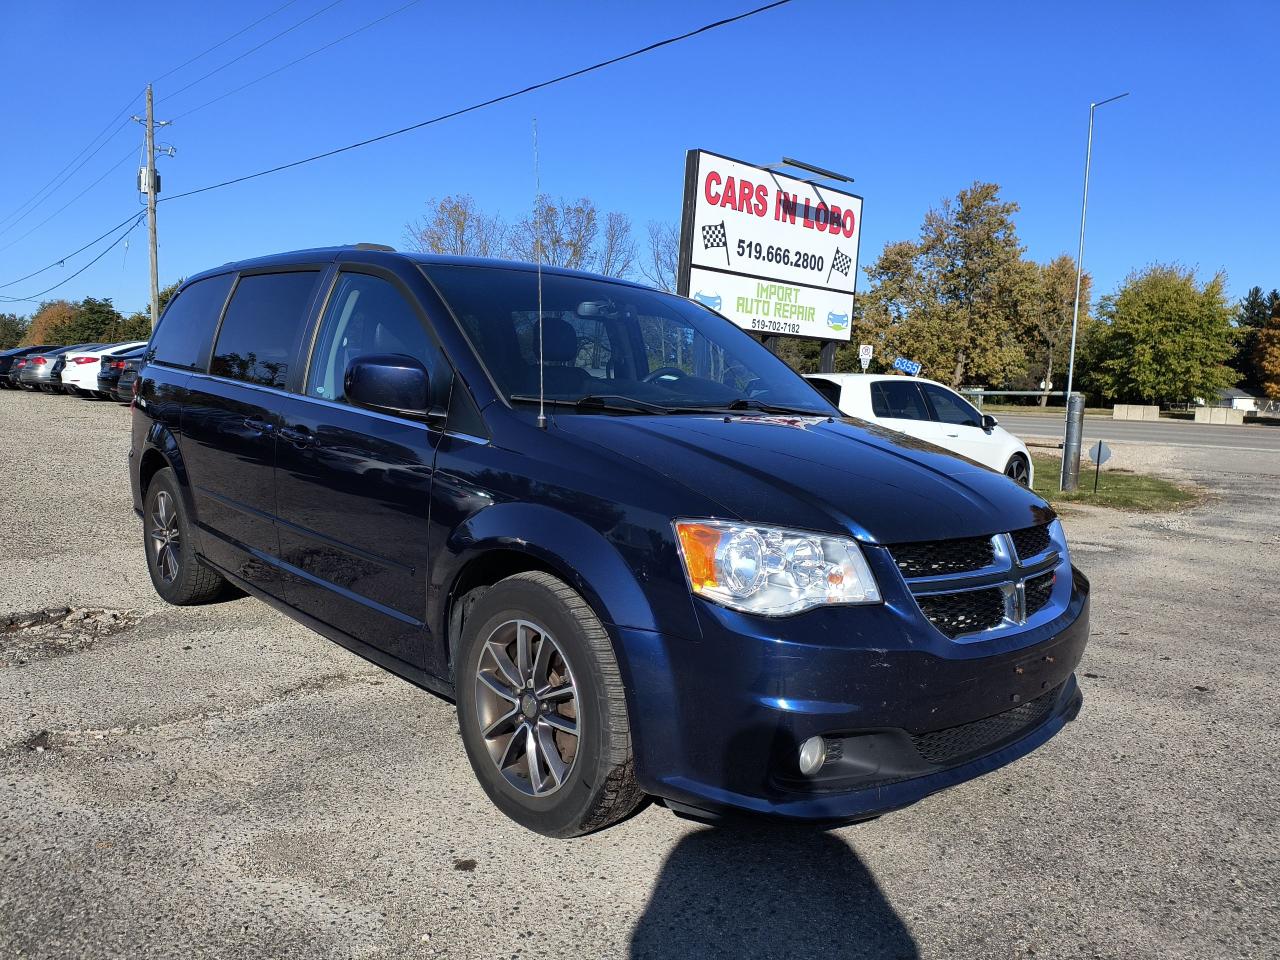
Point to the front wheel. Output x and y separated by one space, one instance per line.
1018 469
542 710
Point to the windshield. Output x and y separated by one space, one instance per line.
614 345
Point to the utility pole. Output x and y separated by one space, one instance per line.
149 183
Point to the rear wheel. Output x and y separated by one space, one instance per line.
178 576
1018 469
542 710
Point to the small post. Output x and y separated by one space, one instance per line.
1071 444
1097 469
828 362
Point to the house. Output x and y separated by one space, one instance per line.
1237 399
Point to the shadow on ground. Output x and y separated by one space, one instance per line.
748 889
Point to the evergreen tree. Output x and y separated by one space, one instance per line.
92 321
12 329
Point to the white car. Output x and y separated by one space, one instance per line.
80 375
930 412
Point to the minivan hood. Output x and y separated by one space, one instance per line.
819 474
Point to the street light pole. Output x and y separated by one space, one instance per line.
1075 310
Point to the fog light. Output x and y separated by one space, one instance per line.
813 754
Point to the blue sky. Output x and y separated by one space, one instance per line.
915 100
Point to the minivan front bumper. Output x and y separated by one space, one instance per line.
717 722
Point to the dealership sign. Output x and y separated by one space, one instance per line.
774 254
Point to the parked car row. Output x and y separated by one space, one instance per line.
105 370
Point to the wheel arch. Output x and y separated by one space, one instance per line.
506 539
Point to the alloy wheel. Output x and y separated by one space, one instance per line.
1017 470
527 707
165 536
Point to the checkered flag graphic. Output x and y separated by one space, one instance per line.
840 263
713 235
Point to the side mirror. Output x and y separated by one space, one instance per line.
389 383
989 422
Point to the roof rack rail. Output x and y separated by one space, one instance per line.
375 246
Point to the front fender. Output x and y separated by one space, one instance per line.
581 556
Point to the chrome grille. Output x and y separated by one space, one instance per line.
938 557
1039 590
973 585
969 611
1031 541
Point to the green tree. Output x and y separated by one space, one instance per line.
12 329
1266 359
92 321
1048 305
1167 337
953 299
136 326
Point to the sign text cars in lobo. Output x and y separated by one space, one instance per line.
774 254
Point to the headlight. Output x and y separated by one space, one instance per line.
772 571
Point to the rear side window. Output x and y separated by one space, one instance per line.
259 335
186 329
899 399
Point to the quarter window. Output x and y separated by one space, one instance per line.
950 408
259 335
898 399
186 329
365 315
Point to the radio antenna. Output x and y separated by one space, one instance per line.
537 245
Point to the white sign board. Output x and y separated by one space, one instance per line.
865 351
774 254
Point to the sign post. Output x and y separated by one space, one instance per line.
1099 453
864 355
775 254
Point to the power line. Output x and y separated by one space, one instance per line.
486 103
294 63
220 43
395 133
108 249
116 166
251 50
63 259
35 200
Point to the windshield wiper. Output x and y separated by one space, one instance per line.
607 402
747 403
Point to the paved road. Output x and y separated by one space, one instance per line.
1181 433
218 782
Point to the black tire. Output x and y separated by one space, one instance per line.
599 787
1018 469
179 577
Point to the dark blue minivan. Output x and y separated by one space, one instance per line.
643 556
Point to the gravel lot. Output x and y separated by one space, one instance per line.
219 782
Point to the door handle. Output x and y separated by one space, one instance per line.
299 438
257 425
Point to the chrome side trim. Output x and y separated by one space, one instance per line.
346 407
